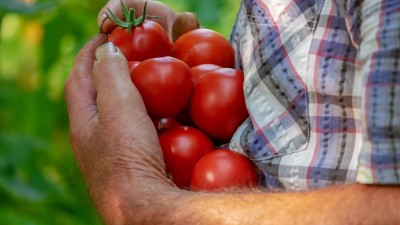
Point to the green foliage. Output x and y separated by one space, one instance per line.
39 181
218 15
19 7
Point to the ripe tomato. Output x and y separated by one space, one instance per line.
132 65
148 40
204 46
165 124
182 148
217 105
200 70
165 85
223 168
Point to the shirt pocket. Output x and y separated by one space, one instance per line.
276 71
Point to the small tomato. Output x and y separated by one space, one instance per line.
182 148
223 169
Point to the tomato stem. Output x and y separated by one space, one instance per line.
129 14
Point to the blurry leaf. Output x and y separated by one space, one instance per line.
20 190
25 181
16 169
66 24
9 215
17 149
19 7
51 41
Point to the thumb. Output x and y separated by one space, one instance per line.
112 82
184 23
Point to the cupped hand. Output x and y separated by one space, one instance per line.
112 137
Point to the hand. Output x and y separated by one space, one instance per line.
113 139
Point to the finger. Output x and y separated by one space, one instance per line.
184 23
79 92
111 78
156 11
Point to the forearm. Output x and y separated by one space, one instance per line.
349 204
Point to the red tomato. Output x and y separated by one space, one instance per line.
204 46
165 85
223 168
148 40
182 148
217 105
132 65
200 70
165 124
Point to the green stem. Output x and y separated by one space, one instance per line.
129 14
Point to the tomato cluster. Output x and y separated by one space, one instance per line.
195 98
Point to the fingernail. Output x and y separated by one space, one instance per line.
103 19
104 50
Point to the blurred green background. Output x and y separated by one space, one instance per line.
39 180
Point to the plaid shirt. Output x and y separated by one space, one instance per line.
322 88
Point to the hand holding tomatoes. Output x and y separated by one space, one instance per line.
192 78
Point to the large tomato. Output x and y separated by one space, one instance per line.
165 85
217 105
204 46
148 40
182 148
223 168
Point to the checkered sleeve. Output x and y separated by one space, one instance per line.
375 28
